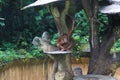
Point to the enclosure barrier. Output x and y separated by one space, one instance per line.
33 69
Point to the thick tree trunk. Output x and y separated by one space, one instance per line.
106 61
64 61
91 11
101 62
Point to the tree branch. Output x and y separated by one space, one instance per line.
87 8
60 17
67 5
111 36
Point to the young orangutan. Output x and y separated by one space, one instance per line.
64 41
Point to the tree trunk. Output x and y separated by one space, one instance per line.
63 26
101 62
106 63
91 11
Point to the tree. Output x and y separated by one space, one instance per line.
100 48
101 62
63 17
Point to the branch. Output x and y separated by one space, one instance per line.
60 17
63 17
106 45
91 9
87 7
117 32
111 36
67 5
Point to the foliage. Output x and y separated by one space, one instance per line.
54 38
2 22
82 27
21 26
8 53
103 24
81 32
28 23
116 47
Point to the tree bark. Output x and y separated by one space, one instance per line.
91 9
106 61
60 17
101 61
